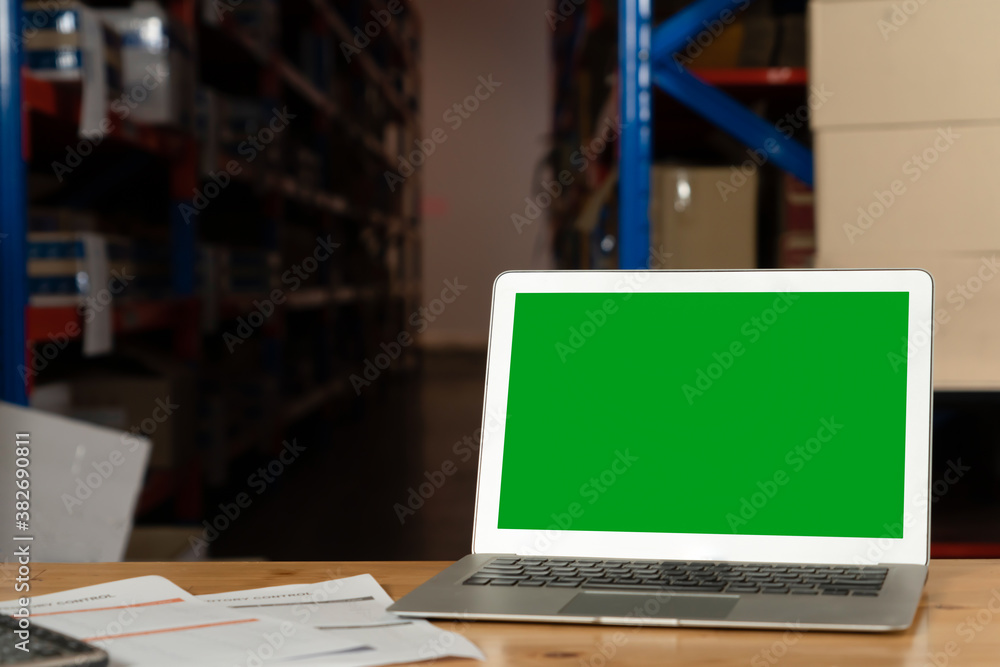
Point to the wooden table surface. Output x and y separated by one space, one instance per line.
958 622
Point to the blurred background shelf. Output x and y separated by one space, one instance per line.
234 193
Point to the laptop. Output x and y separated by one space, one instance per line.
745 449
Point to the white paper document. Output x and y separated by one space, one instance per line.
351 609
149 621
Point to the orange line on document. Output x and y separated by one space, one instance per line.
156 632
121 606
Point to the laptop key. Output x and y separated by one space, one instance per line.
532 583
476 581
502 568
563 584
504 561
625 587
503 582
864 593
742 589
835 591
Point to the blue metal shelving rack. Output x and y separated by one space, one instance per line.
646 57
13 217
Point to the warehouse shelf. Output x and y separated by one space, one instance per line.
369 66
298 407
314 181
128 317
61 100
645 59
395 35
287 186
298 82
753 76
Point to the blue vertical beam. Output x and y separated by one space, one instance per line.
13 217
635 93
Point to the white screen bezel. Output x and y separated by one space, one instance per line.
914 547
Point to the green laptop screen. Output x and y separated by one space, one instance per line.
724 413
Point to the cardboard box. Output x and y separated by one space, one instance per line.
157 65
904 61
877 206
894 191
703 220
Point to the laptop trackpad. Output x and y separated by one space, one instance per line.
644 605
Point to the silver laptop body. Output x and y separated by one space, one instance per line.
651 374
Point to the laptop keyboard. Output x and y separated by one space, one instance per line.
700 577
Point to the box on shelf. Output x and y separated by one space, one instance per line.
908 188
702 224
913 62
71 42
64 267
922 196
158 65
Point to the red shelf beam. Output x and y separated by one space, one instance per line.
62 99
753 76
46 321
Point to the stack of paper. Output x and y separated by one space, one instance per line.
151 621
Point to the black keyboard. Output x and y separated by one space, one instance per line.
41 647
699 577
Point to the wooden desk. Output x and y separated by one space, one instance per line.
960 614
